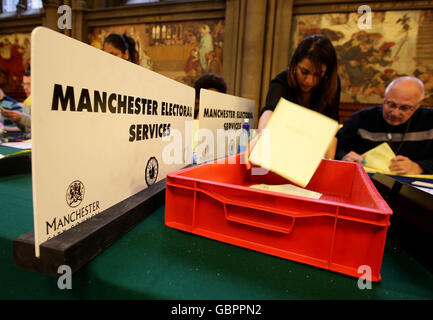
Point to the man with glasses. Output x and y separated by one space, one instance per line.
400 121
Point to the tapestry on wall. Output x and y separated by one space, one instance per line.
14 60
181 51
398 43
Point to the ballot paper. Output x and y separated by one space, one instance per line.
288 189
379 158
423 184
294 142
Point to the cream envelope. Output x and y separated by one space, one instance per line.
294 142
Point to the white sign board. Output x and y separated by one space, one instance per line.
220 119
103 129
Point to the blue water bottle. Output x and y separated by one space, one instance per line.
244 136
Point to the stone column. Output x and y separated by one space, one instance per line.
277 47
256 45
51 16
78 7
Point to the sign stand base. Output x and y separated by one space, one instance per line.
15 165
77 246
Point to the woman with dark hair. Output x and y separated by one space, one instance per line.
310 81
122 46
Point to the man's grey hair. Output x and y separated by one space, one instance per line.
395 81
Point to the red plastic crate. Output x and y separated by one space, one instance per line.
343 230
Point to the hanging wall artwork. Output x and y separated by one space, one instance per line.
179 50
398 43
14 60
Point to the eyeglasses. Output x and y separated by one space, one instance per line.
393 106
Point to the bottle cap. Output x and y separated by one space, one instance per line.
246 124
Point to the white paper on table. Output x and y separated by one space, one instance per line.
18 145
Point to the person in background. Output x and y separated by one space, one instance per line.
22 119
401 122
122 46
8 106
210 81
311 80
27 103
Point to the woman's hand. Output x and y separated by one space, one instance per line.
247 152
263 121
352 156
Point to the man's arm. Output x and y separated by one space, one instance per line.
25 123
348 140
22 120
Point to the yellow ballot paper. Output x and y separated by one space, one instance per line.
294 142
379 158
288 189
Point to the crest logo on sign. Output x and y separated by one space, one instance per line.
152 168
75 194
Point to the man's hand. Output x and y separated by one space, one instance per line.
13 115
403 165
2 94
352 156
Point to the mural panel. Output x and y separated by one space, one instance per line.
398 43
179 50
14 60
